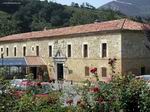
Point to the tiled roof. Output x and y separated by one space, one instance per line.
34 61
121 24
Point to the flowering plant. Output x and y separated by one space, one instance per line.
112 62
94 70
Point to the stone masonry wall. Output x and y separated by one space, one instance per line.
76 64
134 52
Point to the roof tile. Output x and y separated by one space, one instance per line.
121 24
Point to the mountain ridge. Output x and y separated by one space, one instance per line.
129 7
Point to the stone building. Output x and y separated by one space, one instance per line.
69 52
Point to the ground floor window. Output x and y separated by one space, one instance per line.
87 71
10 72
104 71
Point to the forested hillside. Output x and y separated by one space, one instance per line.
18 16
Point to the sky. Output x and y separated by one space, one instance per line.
95 3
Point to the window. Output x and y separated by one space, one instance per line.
37 50
32 48
50 50
2 52
1 49
104 72
85 50
15 51
104 50
7 51
24 51
69 50
87 71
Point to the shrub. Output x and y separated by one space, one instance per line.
124 93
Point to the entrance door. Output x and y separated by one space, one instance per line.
34 71
142 70
60 71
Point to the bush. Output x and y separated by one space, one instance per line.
124 93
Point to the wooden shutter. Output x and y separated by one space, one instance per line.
87 71
104 72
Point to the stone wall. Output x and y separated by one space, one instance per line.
134 52
76 64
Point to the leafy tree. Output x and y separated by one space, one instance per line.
7 24
34 15
73 4
82 17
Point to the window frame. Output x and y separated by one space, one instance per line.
69 44
37 50
15 51
7 51
24 51
104 68
102 41
52 46
85 43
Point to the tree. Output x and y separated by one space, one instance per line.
34 15
7 24
82 17
73 4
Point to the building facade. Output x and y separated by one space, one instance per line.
69 53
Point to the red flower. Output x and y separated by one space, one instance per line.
94 90
52 80
70 101
39 84
93 70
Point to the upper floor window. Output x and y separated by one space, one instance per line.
37 51
2 52
104 72
69 50
15 51
24 51
50 51
85 50
32 48
7 51
2 49
104 50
